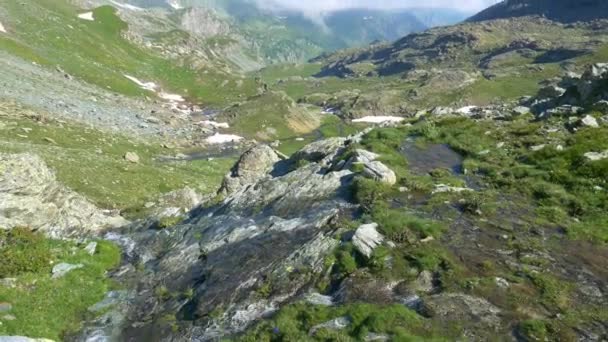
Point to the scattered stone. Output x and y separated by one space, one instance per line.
91 248
502 283
521 110
5 307
8 318
442 188
335 324
424 283
50 140
589 121
379 172
131 157
477 313
441 111
537 148
595 156
62 269
500 145
367 238
316 298
413 302
376 337
8 282
153 120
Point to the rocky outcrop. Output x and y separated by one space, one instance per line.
367 238
240 259
30 196
253 165
176 203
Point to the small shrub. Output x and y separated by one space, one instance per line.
533 330
367 191
23 251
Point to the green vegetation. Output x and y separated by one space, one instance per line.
45 307
23 251
294 323
96 52
91 162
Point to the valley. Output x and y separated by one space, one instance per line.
197 170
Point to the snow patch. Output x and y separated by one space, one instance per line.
378 119
174 4
218 138
151 86
126 6
86 16
2 29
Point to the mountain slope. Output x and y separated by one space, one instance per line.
565 11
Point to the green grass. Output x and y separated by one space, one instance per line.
294 322
50 308
106 178
49 32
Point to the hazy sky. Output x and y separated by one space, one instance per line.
316 6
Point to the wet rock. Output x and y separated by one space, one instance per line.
364 287
251 167
476 314
62 269
335 324
367 238
378 171
132 157
316 298
30 196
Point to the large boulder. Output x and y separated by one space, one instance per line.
253 165
30 196
378 171
177 202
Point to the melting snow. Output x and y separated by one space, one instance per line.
379 119
86 16
151 86
127 6
2 29
223 138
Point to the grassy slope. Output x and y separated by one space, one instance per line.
50 33
106 178
49 308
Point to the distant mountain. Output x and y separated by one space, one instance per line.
566 11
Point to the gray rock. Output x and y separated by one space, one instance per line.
8 318
442 111
367 238
132 157
477 314
521 110
589 121
176 203
378 171
5 307
424 282
30 196
601 106
595 72
318 150
91 248
62 269
376 337
316 298
8 282
551 92
253 165
335 324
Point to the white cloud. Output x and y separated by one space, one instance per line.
319 6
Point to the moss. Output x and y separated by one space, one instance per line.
169 221
533 330
23 251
